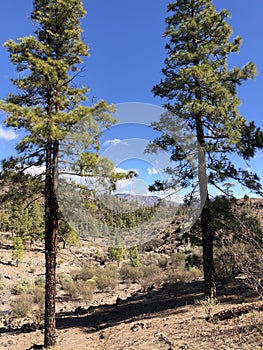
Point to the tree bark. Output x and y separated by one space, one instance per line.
207 234
51 237
208 252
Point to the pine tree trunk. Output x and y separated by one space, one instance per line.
207 234
208 252
51 234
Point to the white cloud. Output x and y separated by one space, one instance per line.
7 135
123 185
35 170
113 142
121 170
152 171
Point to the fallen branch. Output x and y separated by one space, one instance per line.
236 311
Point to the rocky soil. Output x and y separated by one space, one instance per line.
170 317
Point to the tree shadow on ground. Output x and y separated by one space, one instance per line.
151 304
166 301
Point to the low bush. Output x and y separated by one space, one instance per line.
40 281
83 274
106 278
23 286
86 290
152 275
22 305
38 294
130 274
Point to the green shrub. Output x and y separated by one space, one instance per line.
40 281
178 260
195 272
179 275
134 256
193 260
23 286
83 274
63 279
22 305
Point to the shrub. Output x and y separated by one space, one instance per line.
23 286
62 280
152 275
179 275
196 272
71 288
86 290
178 260
224 264
38 294
40 281
163 261
106 278
83 274
193 260
130 273
22 305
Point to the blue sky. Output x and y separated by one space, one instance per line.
127 54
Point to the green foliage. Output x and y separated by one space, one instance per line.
83 274
66 233
208 304
23 286
116 253
40 281
18 250
46 106
202 91
134 256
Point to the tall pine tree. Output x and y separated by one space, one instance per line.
201 91
46 106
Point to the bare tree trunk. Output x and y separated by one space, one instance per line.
51 237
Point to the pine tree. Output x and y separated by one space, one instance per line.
46 106
201 91
134 256
18 250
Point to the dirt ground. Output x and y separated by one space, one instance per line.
126 318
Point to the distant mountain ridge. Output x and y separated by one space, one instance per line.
142 200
